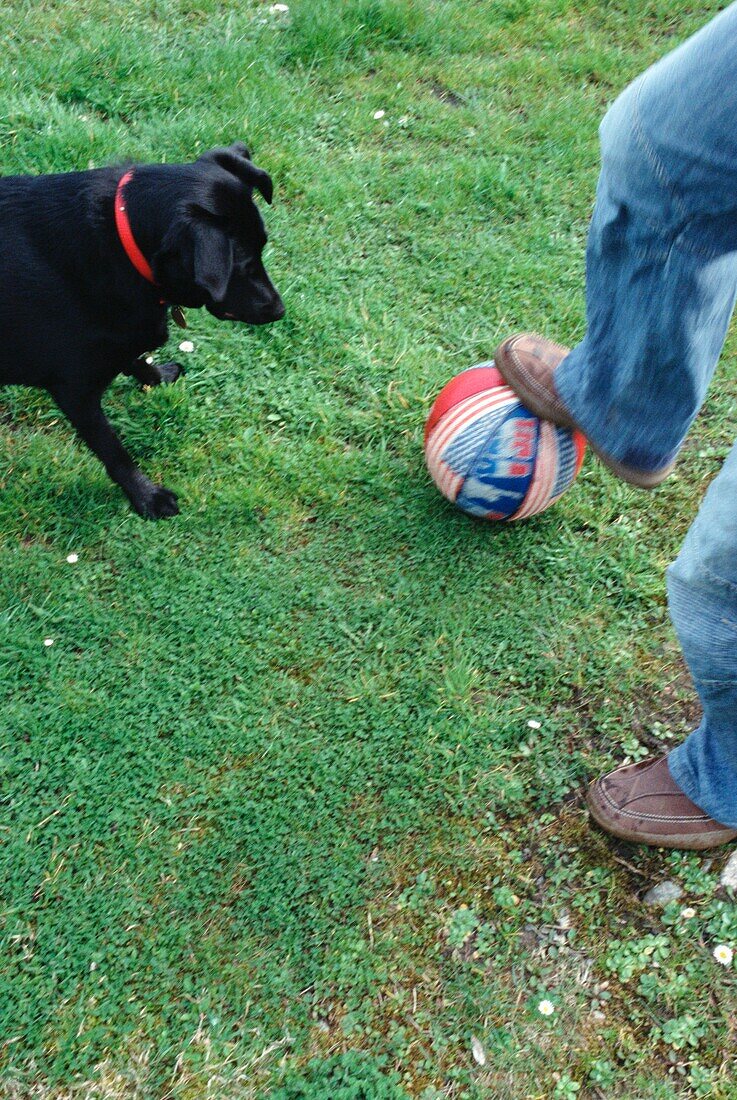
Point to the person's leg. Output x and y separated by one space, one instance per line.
662 275
661 287
688 799
702 590
661 262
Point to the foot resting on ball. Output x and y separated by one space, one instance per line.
527 362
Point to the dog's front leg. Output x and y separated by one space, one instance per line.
153 374
85 413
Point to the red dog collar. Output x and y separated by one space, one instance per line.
132 251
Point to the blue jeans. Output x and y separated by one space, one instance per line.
661 283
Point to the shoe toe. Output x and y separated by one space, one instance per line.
601 807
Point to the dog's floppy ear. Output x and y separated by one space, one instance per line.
240 149
195 252
213 259
237 160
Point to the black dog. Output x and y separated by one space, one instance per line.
90 263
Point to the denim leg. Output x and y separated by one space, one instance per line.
661 283
661 261
702 591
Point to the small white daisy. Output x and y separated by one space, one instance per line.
546 1008
279 9
533 724
479 1054
48 642
723 954
379 114
186 345
72 558
688 913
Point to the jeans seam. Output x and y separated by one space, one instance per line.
706 254
717 579
646 252
699 567
662 175
655 161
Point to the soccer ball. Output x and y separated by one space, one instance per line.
490 455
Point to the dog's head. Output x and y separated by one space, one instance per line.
211 252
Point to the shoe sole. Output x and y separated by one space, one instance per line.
642 479
696 842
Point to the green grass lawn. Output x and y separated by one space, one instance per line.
273 821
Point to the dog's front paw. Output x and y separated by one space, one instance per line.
169 372
156 503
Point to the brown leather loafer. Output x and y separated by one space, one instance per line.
527 363
643 803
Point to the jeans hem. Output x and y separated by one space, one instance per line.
682 773
567 391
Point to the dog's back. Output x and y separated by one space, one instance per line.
47 255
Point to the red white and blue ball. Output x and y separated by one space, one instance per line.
490 455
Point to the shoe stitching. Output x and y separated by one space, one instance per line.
653 794
538 388
545 340
553 344
650 817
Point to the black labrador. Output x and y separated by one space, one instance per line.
92 262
